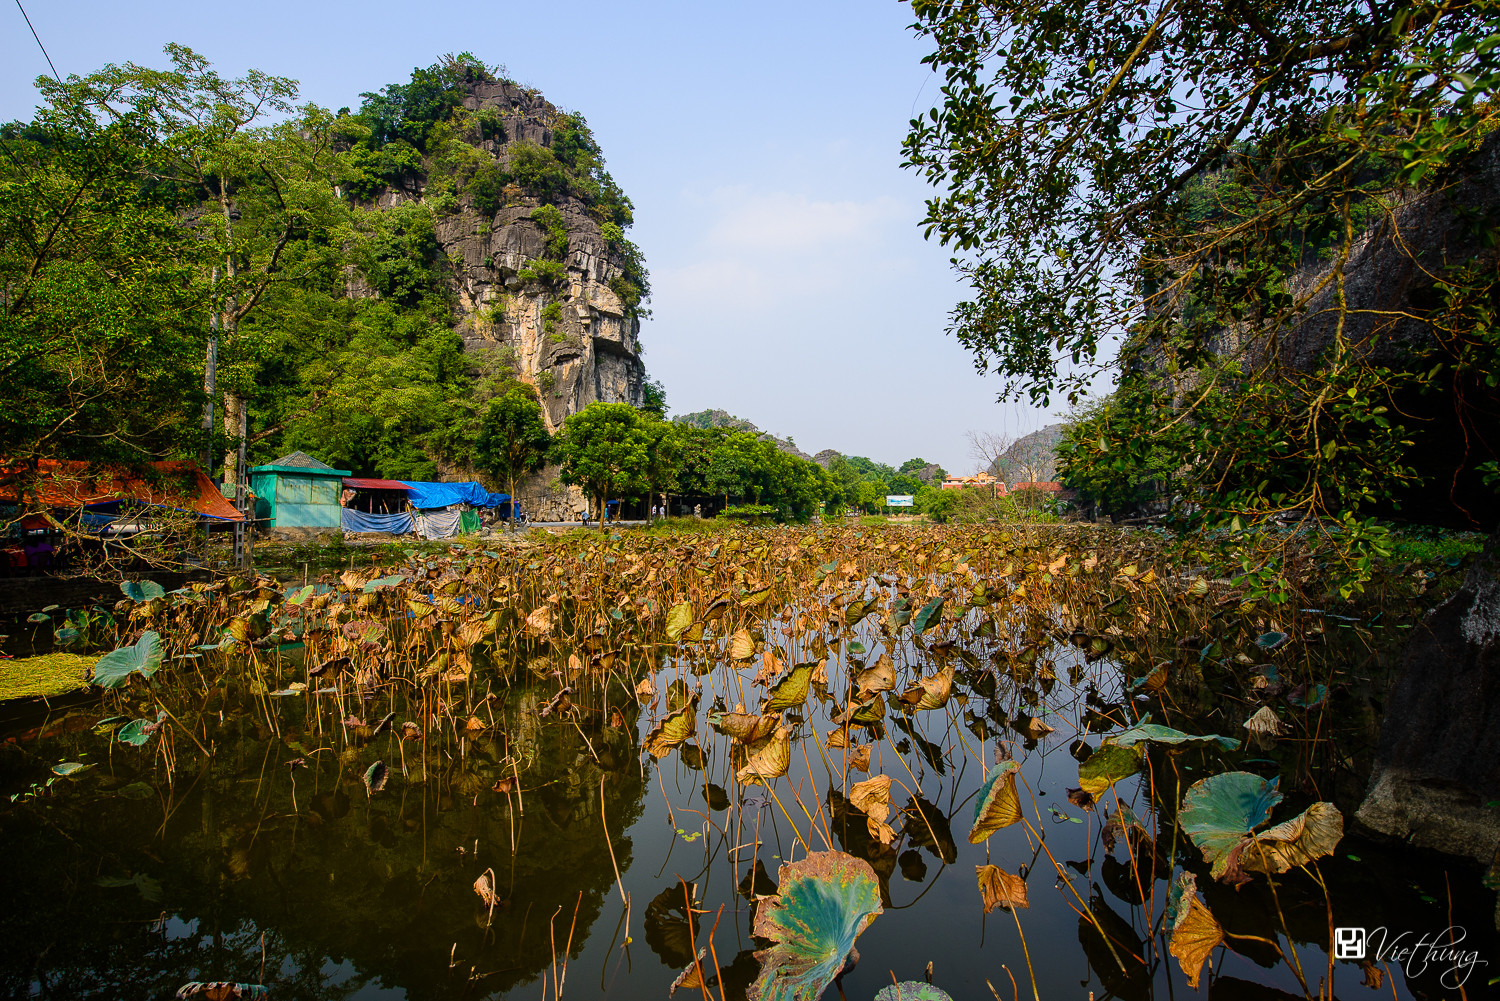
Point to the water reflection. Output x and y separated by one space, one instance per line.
221 875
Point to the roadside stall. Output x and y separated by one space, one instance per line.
297 495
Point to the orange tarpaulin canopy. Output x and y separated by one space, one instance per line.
179 485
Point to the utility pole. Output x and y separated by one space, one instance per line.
210 382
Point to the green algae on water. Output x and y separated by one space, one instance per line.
46 676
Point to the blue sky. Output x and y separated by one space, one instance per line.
761 146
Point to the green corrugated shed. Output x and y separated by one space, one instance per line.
297 491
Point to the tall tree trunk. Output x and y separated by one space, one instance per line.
234 421
210 381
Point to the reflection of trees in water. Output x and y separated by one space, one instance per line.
368 888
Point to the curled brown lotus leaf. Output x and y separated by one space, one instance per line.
838 738
771 761
999 888
872 797
1265 721
1310 835
673 730
859 758
471 632
878 677
1195 931
692 977
746 728
1081 799
646 690
930 692
820 674
741 645
770 666
539 621
1036 728
1154 682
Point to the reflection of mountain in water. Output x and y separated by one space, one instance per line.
104 899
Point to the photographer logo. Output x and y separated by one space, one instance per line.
1348 943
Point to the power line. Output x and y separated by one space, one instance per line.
38 40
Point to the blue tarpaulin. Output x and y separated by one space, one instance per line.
362 521
431 495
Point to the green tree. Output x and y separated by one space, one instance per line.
654 395
605 449
102 318
1086 193
844 481
247 184
936 503
1064 141
664 451
513 438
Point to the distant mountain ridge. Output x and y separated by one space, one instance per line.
724 419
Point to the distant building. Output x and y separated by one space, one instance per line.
981 479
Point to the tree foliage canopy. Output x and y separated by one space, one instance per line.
1068 137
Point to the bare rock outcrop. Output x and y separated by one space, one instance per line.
1436 782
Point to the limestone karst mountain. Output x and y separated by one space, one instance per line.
530 231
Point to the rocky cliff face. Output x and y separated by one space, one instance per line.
572 338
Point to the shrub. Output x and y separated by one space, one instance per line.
555 226
488 187
550 274
538 171
551 317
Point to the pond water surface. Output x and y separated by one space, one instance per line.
269 862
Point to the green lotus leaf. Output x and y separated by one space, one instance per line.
928 616
136 791
380 582
1221 811
135 732
998 805
68 768
1272 640
1108 765
142 590
1308 698
37 618
790 692
1146 730
114 669
826 900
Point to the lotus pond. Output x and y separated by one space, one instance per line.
1039 762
